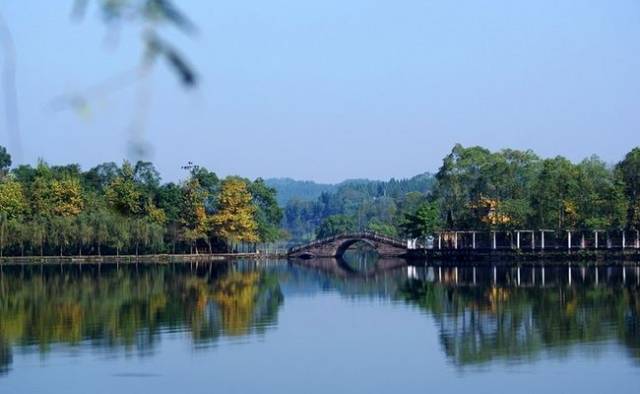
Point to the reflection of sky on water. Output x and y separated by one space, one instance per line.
288 326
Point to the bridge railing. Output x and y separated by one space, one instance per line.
369 235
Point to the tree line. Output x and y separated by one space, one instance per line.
511 189
111 209
356 205
477 189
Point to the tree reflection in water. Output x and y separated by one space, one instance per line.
506 313
110 307
509 318
513 314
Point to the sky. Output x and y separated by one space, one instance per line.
331 90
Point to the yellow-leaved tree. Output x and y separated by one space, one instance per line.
66 197
235 221
13 202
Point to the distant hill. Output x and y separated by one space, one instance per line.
302 190
375 205
289 189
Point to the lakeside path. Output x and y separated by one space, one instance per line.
413 257
133 259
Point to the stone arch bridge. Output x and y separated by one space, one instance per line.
336 246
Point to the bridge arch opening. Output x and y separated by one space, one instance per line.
358 255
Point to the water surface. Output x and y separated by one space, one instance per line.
352 327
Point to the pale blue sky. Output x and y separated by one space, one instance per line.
328 90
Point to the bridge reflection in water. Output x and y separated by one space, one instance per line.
482 313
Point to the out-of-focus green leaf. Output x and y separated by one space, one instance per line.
164 9
156 45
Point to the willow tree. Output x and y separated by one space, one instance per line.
235 221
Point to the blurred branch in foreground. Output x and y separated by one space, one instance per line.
10 94
150 16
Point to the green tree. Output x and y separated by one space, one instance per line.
628 171
208 182
101 176
40 191
193 215
56 191
123 194
38 233
600 200
555 193
5 232
473 183
119 233
170 201
336 224
84 232
101 221
462 182
5 161
423 222
61 232
268 214
380 227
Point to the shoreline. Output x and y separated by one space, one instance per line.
133 259
412 257
614 255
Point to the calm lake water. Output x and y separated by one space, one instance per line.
349 327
